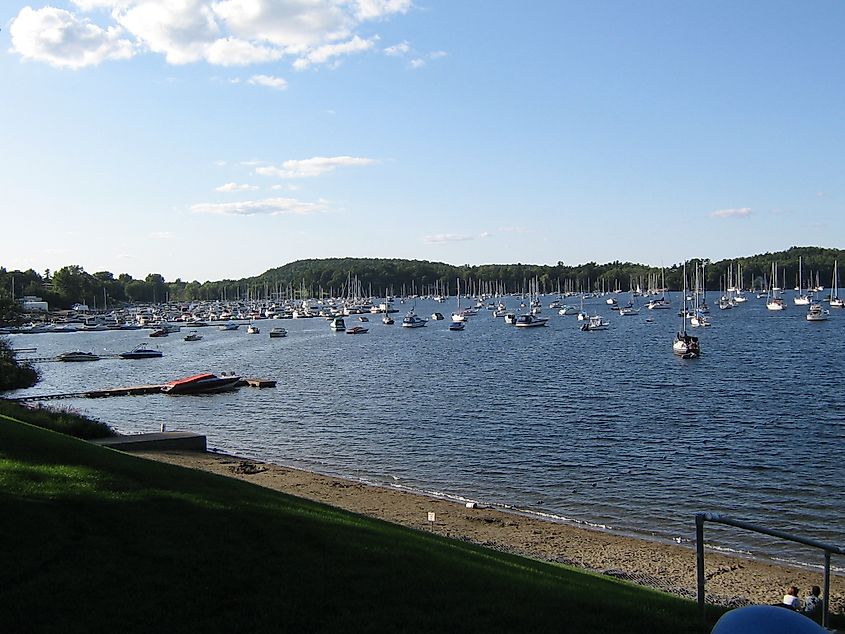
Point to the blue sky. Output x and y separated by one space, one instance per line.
205 139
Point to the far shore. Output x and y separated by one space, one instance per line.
665 566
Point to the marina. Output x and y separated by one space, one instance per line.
611 431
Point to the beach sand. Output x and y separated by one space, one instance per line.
666 566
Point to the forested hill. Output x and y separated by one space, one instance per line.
372 276
422 276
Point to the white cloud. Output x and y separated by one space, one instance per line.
375 9
485 234
234 52
162 235
267 206
313 167
277 83
443 238
741 212
514 230
60 39
220 32
397 50
417 63
220 163
235 187
182 31
328 52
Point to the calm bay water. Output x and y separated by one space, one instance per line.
601 428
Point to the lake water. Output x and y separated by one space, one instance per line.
607 429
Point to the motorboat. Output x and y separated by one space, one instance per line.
387 320
229 326
252 329
566 309
139 352
530 321
364 319
278 332
193 336
510 318
205 383
436 316
338 325
629 311
412 320
817 313
78 356
457 325
686 346
595 322
357 330
160 332
459 316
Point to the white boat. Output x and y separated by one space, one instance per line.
774 301
817 313
685 346
277 332
566 309
457 325
387 320
530 321
659 304
252 329
801 299
595 322
338 325
229 326
436 316
510 318
835 301
412 320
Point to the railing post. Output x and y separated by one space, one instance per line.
699 559
826 595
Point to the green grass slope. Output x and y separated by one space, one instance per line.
94 540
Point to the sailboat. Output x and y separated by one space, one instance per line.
774 302
459 315
800 299
835 301
685 345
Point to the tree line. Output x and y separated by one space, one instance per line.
377 277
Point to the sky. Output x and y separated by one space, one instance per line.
211 139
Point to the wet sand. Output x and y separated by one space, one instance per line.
667 566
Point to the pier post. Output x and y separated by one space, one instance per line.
699 560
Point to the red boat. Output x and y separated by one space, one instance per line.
205 383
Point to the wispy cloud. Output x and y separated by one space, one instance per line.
331 52
316 166
162 235
267 206
444 238
514 230
276 83
397 50
235 187
738 212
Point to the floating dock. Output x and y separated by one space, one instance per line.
158 441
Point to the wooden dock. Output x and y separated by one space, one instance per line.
132 390
158 441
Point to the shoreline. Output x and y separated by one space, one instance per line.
732 580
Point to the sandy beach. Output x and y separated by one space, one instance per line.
669 567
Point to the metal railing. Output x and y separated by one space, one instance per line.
828 549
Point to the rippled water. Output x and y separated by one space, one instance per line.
605 428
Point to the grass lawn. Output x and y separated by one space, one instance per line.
94 540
